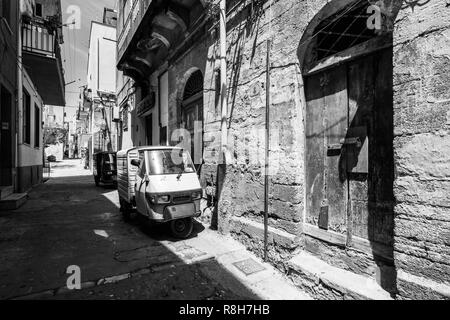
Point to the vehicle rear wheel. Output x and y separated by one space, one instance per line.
125 208
182 228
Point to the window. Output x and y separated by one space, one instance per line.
126 10
6 10
125 118
142 168
169 162
345 29
149 129
218 91
38 10
194 85
26 117
37 126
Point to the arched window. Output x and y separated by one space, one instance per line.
194 85
352 25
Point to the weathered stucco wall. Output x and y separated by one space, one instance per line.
422 147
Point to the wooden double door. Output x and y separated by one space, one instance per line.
349 148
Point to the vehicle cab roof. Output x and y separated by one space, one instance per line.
158 148
124 152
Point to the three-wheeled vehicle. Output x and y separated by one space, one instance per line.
165 187
105 168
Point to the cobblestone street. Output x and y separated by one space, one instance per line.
68 221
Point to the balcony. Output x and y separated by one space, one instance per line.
42 60
146 104
150 31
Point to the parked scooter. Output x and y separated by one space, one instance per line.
161 184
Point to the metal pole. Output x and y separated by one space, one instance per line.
223 76
266 185
92 146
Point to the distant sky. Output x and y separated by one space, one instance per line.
75 47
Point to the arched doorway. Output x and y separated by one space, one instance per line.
348 83
192 115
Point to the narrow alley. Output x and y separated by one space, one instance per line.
69 221
225 150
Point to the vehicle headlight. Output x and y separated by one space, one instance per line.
163 199
197 195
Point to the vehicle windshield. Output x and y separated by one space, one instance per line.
169 162
109 162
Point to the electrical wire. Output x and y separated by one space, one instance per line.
331 22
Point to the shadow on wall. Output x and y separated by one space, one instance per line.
246 24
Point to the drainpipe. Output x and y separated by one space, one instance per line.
223 77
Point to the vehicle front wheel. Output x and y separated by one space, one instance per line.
182 228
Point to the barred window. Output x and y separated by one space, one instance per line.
345 29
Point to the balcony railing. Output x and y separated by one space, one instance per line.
42 56
38 40
128 24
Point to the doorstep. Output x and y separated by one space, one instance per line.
324 281
13 201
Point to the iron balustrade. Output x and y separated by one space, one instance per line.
38 40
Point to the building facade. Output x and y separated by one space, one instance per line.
99 96
358 123
32 76
8 77
42 79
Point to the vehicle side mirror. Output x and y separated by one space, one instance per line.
136 163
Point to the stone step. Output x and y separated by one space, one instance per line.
418 288
324 281
6 191
13 201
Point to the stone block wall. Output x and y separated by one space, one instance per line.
422 142
422 148
243 189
